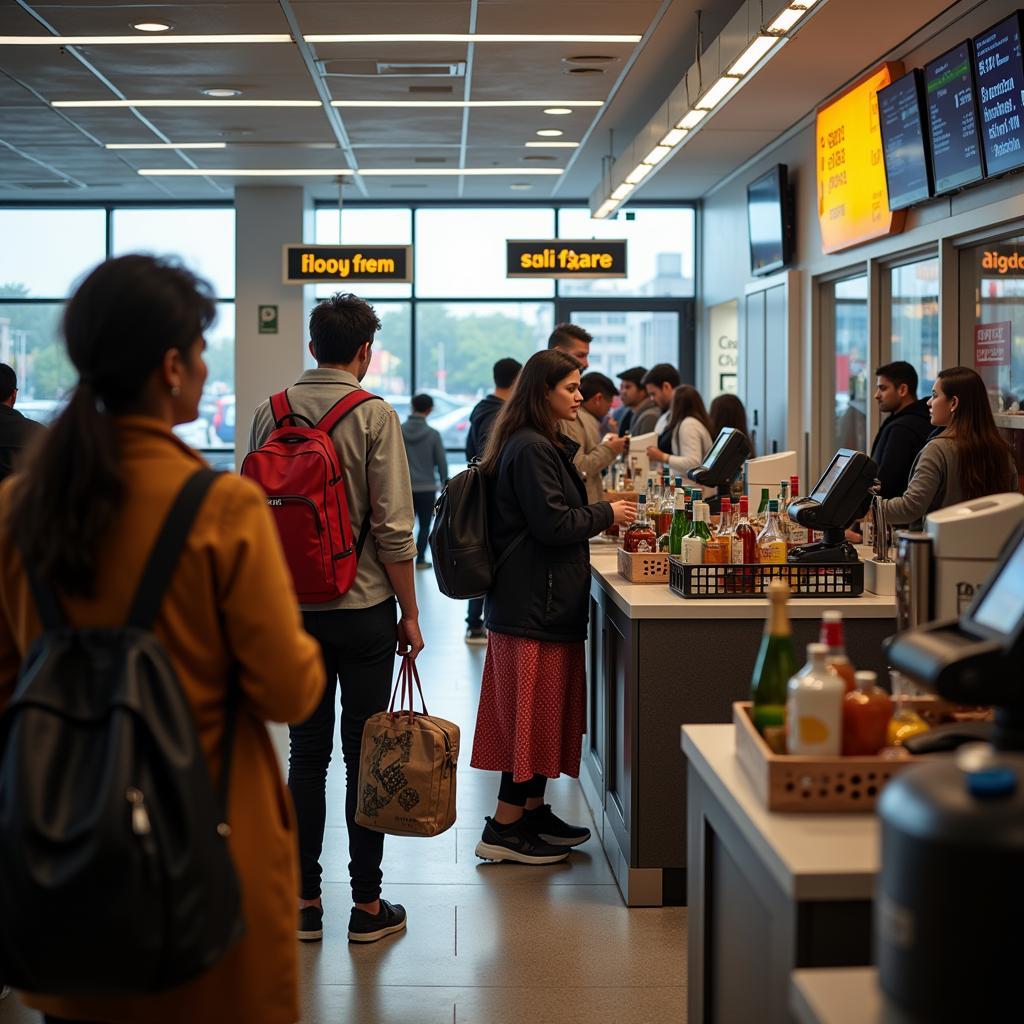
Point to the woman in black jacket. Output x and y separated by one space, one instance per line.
533 697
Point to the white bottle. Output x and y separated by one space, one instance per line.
814 707
693 545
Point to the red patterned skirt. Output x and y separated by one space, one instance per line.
532 708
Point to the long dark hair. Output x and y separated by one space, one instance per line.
527 405
728 411
686 401
117 326
985 458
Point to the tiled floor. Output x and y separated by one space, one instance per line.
486 943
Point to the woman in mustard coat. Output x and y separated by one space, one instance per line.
87 507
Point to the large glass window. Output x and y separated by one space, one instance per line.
359 226
461 253
30 342
634 338
914 319
43 252
659 256
850 331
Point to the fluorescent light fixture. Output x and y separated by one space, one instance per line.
607 207
558 111
752 55
185 103
656 155
552 145
166 145
464 37
453 104
334 172
520 186
787 19
674 137
638 174
717 92
550 133
692 119
622 191
151 26
143 40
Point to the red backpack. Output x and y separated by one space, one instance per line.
298 468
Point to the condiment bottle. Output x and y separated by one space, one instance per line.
776 663
866 714
814 707
831 634
771 544
640 536
905 722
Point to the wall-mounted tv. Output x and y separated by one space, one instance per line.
999 73
770 221
954 136
904 150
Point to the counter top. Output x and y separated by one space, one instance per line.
656 601
812 856
841 995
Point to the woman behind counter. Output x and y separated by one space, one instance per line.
967 460
690 430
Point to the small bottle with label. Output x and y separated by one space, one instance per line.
718 550
814 708
640 536
696 541
867 711
771 544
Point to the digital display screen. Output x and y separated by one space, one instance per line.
953 135
1000 77
1002 606
832 474
903 142
766 220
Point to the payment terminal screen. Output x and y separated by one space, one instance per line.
827 482
1002 607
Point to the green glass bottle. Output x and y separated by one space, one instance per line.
776 663
762 509
680 524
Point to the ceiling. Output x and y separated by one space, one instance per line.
48 153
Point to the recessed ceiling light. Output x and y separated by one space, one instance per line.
222 94
583 71
151 26
558 111
520 186
550 133
166 145
552 145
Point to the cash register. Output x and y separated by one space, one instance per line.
831 505
722 464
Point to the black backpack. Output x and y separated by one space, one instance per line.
115 874
459 541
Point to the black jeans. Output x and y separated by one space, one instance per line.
423 504
518 793
358 648
475 615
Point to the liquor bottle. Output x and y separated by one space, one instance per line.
867 711
776 663
680 524
666 507
831 634
799 535
762 509
640 536
719 549
814 707
744 539
696 540
771 544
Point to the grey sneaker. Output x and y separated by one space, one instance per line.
364 927
516 842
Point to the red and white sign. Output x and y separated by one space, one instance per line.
992 343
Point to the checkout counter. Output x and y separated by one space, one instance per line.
657 660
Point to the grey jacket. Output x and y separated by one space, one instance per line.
425 450
645 417
934 484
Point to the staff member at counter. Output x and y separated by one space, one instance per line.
967 460
690 432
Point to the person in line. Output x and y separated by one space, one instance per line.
690 430
361 632
642 411
481 419
530 721
660 383
572 340
595 453
428 469
87 511
17 432
728 411
967 460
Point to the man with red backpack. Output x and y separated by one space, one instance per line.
345 515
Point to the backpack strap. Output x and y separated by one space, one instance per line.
164 557
343 407
281 410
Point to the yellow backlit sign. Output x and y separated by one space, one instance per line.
853 200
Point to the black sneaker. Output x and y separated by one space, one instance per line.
311 924
516 842
476 636
424 564
364 927
549 828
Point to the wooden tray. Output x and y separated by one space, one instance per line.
644 566
788 782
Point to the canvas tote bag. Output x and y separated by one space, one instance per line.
407 766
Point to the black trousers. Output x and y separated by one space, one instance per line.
475 615
423 505
358 648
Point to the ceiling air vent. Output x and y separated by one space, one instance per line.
430 159
393 70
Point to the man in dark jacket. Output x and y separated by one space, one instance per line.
642 411
16 431
481 419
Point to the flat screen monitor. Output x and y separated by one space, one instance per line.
954 137
904 151
769 219
999 72
719 446
1001 607
832 474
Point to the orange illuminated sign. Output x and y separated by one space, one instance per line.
853 200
